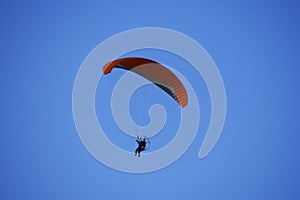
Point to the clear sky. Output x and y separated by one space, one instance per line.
255 45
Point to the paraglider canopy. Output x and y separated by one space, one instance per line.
155 72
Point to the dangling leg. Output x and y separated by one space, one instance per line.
138 151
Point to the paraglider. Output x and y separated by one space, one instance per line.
143 145
156 73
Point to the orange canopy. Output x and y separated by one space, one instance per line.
154 72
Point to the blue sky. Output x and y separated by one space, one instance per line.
256 47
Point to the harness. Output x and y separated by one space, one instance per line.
147 144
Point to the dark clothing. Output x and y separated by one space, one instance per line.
141 147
